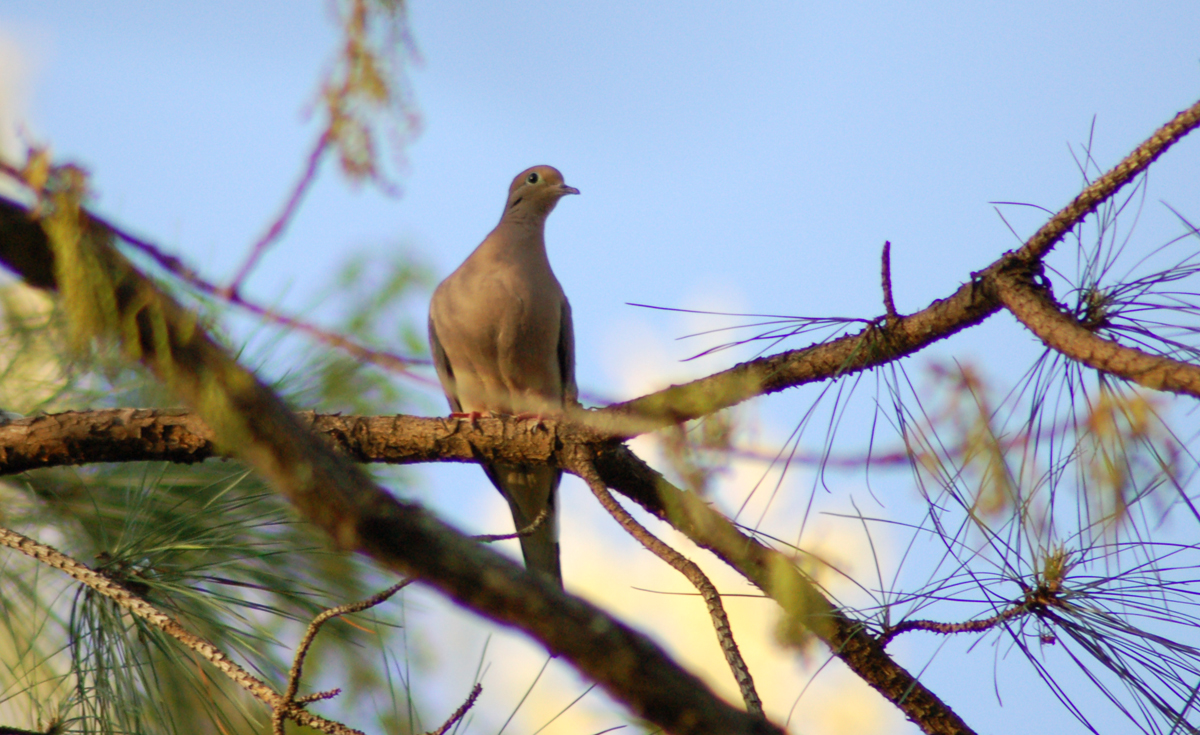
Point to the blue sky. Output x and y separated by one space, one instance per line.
747 157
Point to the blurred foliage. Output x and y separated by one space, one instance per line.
375 300
698 451
208 544
366 90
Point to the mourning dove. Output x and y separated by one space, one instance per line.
502 341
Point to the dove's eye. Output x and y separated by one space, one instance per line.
532 178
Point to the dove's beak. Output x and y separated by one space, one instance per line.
564 189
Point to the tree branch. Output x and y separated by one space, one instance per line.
284 218
690 571
807 610
1035 307
174 265
177 435
289 703
1103 188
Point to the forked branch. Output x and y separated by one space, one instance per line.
290 703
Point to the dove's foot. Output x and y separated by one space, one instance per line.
539 419
472 416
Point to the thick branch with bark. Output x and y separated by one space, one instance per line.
874 346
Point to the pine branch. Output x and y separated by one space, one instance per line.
1035 307
132 602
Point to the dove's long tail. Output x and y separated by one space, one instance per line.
530 489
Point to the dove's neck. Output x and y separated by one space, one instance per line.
519 240
527 215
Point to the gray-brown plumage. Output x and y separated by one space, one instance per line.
502 341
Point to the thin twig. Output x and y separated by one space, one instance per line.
283 711
693 573
144 610
174 265
969 626
1046 594
289 208
460 712
178 268
805 608
888 304
523 533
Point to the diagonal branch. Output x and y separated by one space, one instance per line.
174 265
461 712
1103 188
395 362
289 703
807 611
691 571
873 346
284 218
1035 307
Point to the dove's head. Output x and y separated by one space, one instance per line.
535 191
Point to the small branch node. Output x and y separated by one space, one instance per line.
889 304
289 704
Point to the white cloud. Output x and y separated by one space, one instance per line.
15 68
18 64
